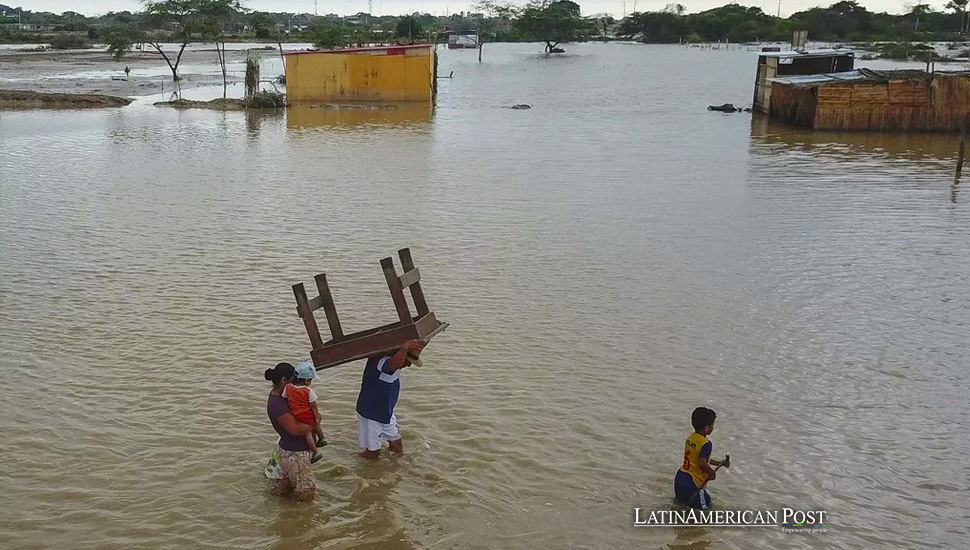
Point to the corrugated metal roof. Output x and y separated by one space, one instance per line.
808 53
819 78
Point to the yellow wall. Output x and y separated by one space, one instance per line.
360 76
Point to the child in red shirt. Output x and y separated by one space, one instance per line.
303 406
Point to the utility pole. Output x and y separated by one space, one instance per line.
316 8
779 9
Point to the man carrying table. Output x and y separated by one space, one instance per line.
380 387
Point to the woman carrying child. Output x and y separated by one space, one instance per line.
303 405
290 464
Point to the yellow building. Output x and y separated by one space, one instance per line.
393 73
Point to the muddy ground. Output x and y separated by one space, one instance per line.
27 99
95 72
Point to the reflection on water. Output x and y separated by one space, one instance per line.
313 115
691 538
891 144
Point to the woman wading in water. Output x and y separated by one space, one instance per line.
292 469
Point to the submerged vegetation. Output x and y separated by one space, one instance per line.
266 100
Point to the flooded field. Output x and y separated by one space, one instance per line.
608 260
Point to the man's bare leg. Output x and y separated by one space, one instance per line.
396 446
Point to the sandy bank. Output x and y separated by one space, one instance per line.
25 99
214 105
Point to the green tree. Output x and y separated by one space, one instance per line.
553 22
118 41
327 35
189 18
263 24
604 23
959 7
408 27
661 27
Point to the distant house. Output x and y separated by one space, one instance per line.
463 39
867 100
27 27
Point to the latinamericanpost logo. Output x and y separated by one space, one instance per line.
788 519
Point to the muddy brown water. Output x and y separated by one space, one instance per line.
608 260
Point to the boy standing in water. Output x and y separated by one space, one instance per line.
696 471
303 405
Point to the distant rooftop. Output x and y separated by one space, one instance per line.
808 53
819 78
868 75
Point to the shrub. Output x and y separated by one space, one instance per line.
69 42
904 50
118 41
267 100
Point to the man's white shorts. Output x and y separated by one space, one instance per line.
371 432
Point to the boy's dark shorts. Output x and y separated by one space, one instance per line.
685 491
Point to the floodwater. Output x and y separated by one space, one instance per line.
608 260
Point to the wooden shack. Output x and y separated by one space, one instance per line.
393 73
793 63
867 100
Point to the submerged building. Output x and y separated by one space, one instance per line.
864 99
463 40
392 73
793 63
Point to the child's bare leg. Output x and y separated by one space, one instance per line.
312 443
316 425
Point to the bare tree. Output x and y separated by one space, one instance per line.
494 12
188 18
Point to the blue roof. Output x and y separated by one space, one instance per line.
819 78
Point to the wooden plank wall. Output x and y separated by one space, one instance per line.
940 103
793 105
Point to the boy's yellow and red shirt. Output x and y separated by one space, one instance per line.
696 447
